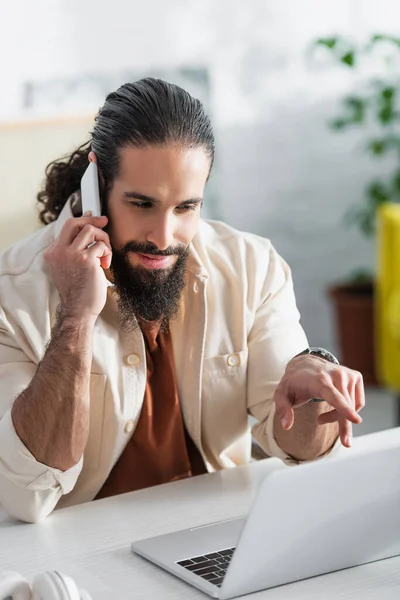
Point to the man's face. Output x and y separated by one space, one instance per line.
154 210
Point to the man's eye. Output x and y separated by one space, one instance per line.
142 204
186 207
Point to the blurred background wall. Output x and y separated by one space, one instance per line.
281 172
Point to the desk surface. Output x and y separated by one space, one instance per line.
91 542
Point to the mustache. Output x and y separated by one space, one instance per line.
148 248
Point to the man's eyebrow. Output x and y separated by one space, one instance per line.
144 198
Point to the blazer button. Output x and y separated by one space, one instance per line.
132 360
233 360
129 425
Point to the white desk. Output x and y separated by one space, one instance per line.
91 542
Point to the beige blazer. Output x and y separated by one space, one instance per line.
237 328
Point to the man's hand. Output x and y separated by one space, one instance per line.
309 377
51 416
76 261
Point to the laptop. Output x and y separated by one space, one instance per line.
306 520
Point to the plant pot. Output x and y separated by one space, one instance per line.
354 313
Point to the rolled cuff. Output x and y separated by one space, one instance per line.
19 465
263 433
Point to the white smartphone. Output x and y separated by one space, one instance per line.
90 194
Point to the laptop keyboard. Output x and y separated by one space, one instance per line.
211 567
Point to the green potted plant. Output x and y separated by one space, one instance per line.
376 108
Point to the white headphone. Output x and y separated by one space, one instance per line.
48 586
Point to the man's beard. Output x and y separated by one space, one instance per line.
149 295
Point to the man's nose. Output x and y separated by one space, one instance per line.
161 233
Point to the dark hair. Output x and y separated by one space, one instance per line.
149 112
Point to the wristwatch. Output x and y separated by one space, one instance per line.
320 353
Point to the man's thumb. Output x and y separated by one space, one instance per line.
284 410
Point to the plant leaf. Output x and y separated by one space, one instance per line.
357 108
348 58
362 217
388 93
361 276
377 193
378 147
379 37
329 42
396 184
339 123
386 115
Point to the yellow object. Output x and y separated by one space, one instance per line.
388 296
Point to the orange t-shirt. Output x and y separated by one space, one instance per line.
160 449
